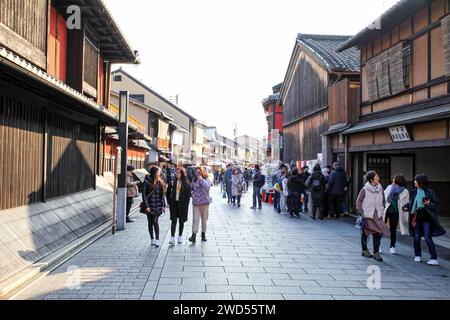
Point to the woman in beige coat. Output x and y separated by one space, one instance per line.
132 190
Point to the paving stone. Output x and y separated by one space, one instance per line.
167 296
257 296
229 289
206 296
180 288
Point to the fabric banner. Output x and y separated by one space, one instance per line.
177 138
163 129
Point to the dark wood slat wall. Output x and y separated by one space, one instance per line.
71 156
308 91
71 153
343 102
303 139
14 14
21 153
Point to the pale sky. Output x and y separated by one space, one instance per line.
222 57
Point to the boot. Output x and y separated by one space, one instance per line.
367 254
192 238
204 236
377 257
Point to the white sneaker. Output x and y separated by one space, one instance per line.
172 241
180 239
379 251
157 243
153 242
392 251
418 259
433 262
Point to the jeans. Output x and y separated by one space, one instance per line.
257 195
153 223
314 211
376 241
276 201
306 201
393 217
335 205
426 228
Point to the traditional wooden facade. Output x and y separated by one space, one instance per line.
54 89
405 93
274 115
313 68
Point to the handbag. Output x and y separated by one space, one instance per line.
143 208
359 222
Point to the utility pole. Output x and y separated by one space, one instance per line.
123 140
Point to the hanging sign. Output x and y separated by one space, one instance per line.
399 134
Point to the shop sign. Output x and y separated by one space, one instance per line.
399 134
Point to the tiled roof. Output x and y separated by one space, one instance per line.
389 18
323 48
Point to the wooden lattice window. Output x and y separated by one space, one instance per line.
90 63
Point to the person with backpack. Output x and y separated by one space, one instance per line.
316 183
337 187
397 196
295 187
258 182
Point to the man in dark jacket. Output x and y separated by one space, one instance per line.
258 182
295 187
337 187
228 176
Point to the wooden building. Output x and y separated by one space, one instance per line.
403 115
313 68
274 116
54 89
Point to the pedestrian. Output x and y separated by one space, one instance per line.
316 183
423 218
397 197
154 202
200 199
296 187
304 177
132 190
178 197
337 186
326 173
247 178
284 190
190 173
221 179
228 176
216 176
370 204
237 187
258 182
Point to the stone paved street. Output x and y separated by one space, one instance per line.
249 255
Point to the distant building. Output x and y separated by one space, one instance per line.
274 115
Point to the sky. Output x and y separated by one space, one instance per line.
222 57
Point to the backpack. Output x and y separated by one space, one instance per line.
316 185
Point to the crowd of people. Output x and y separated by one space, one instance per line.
381 212
173 188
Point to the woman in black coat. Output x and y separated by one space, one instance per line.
178 197
154 203
423 218
296 185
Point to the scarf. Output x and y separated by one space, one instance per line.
396 190
418 200
372 188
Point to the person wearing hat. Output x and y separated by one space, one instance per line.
132 190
